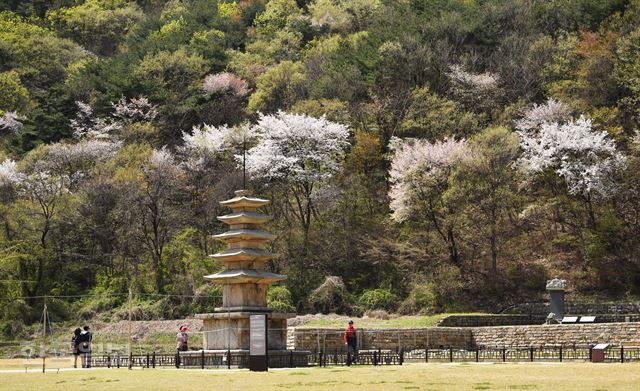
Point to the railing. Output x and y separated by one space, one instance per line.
521 354
230 359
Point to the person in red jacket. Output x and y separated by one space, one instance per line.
351 338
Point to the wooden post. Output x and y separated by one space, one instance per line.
153 359
560 353
44 334
477 355
622 353
108 360
202 359
129 327
147 360
291 359
504 354
426 355
229 358
531 354
450 354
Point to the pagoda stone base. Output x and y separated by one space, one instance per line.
230 330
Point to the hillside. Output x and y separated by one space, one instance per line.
420 156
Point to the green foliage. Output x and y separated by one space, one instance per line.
279 299
330 297
13 96
378 299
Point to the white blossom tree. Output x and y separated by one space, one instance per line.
300 152
87 125
135 110
477 91
419 177
585 158
9 174
225 83
11 121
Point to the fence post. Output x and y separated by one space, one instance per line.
504 354
590 352
291 359
108 360
426 354
450 354
348 358
177 359
118 361
153 359
560 353
335 357
147 360
202 359
622 353
531 354
375 358
228 358
401 356
477 355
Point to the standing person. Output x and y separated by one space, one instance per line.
182 339
351 339
74 346
85 346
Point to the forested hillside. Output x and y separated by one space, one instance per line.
420 155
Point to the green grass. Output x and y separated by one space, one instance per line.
536 376
401 322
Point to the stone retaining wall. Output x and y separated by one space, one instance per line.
432 337
575 308
564 334
470 337
490 320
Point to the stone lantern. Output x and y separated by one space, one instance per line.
244 279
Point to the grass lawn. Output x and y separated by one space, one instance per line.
393 323
537 376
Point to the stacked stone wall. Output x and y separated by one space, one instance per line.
431 337
471 337
555 335
490 320
577 308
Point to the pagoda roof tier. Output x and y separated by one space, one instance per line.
244 217
243 254
243 276
243 199
245 234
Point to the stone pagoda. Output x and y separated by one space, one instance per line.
244 279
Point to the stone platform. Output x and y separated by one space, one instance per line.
230 330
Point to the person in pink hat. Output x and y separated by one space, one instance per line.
181 339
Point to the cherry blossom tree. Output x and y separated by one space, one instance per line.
585 158
419 177
9 174
87 125
300 152
11 121
225 83
135 110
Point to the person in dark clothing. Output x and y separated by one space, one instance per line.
74 346
351 339
85 346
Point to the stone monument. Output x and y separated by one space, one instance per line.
244 280
556 288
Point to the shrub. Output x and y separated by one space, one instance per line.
279 299
330 296
377 299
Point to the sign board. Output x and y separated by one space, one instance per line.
258 342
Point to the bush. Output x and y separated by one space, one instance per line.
279 299
442 293
330 297
377 299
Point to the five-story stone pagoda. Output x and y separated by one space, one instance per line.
244 280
